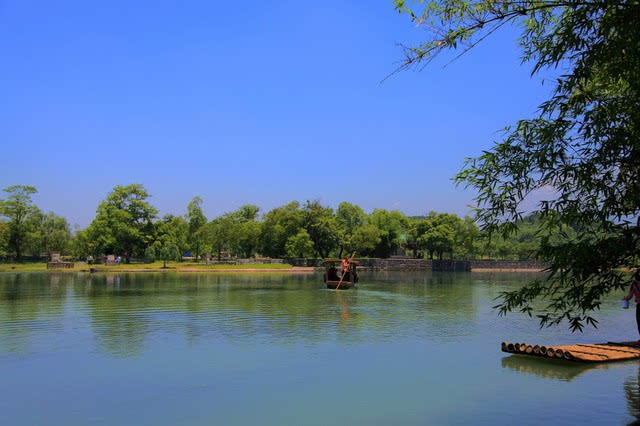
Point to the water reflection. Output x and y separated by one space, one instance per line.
29 304
150 340
632 393
565 371
123 309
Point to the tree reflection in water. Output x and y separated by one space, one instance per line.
632 393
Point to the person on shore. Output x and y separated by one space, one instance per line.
89 259
635 291
118 260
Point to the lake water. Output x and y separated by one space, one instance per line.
197 349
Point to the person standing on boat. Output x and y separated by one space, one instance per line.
345 267
635 291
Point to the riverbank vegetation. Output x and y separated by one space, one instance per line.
126 224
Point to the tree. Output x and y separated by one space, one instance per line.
278 226
466 237
299 245
174 229
364 240
243 230
48 233
390 224
349 218
245 213
4 239
17 208
123 223
439 236
321 226
166 249
245 237
217 234
580 153
197 220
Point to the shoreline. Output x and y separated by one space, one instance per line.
293 269
519 270
110 270
191 270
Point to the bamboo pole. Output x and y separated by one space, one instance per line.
503 345
510 347
551 352
559 353
529 349
536 350
568 355
543 350
523 347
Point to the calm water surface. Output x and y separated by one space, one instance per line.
196 349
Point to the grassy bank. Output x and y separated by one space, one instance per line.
149 267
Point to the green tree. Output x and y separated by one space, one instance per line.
197 220
321 226
349 218
466 236
245 238
165 249
579 153
390 224
17 208
217 234
246 213
278 226
364 240
439 236
48 233
124 222
150 254
174 229
299 245
4 239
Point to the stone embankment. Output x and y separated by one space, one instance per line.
417 264
508 265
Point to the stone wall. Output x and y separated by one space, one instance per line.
396 264
409 264
257 260
532 265
451 265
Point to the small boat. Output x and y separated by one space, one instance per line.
336 281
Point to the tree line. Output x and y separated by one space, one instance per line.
127 224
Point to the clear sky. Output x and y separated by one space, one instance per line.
259 102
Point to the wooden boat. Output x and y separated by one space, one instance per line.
332 276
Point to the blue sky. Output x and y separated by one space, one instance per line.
259 102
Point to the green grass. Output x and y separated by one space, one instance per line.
155 266
22 267
192 265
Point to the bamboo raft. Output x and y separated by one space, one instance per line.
591 352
